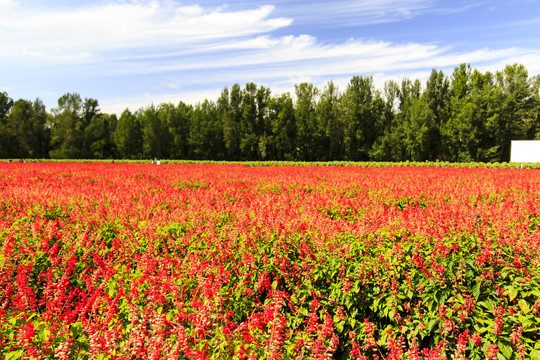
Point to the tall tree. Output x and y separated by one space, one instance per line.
98 137
230 107
25 127
463 131
437 97
418 130
308 131
177 120
330 121
67 130
248 125
389 144
90 118
5 139
40 124
206 133
263 126
363 110
152 132
517 96
128 136
282 119
5 104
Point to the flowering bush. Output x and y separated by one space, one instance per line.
124 261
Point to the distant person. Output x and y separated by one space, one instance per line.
159 162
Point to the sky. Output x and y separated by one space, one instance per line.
134 53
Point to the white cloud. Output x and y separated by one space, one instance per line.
266 57
116 26
168 52
352 12
117 105
7 3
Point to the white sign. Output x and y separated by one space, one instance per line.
524 151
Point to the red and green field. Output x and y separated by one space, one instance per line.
138 261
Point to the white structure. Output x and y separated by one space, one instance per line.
524 151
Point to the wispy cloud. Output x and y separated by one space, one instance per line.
7 3
142 25
351 12
135 52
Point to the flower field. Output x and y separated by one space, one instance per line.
138 261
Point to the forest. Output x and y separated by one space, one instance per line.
467 116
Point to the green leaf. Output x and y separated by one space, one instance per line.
13 355
476 291
482 330
511 292
76 329
535 355
523 305
506 350
431 325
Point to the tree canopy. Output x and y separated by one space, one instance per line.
467 116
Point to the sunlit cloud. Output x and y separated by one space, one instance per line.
7 3
350 12
147 26
134 53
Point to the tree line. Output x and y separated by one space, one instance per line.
467 116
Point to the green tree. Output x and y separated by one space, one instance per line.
42 139
18 129
90 118
230 108
418 130
282 120
26 131
463 132
98 136
517 98
5 139
177 120
363 107
308 131
437 97
5 105
155 132
206 133
67 128
330 123
263 125
389 145
128 136
400 144
248 126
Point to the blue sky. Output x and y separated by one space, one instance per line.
131 53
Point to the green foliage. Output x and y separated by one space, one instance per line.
469 116
128 136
